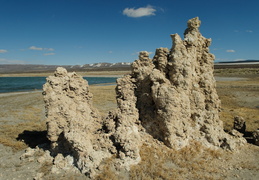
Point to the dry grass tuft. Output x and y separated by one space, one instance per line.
191 162
107 170
46 167
104 98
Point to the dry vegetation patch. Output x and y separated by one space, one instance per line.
240 98
237 72
19 113
191 162
104 97
160 162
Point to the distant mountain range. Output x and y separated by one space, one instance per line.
239 61
121 66
32 68
237 64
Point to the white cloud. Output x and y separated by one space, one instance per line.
49 54
248 31
49 49
140 12
35 48
8 61
110 52
3 51
40 48
230 51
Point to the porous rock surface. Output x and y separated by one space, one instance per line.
171 97
255 135
74 126
123 125
176 94
239 124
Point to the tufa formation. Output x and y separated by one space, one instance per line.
74 126
171 98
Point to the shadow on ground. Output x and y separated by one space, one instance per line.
34 138
249 137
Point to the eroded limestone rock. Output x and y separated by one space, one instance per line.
176 94
74 126
255 135
239 124
123 125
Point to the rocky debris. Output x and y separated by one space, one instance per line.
239 130
61 164
236 133
240 124
255 135
29 154
171 97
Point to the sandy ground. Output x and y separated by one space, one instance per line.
24 112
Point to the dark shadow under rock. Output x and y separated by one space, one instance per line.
34 138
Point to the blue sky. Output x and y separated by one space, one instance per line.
77 32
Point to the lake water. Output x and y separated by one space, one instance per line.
16 84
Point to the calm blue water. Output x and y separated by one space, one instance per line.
15 84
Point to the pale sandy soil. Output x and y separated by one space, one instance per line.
239 95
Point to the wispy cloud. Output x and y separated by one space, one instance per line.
242 31
49 54
230 51
40 48
35 48
49 49
216 49
3 51
139 12
8 61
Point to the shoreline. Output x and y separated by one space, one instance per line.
217 78
13 93
4 94
104 76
